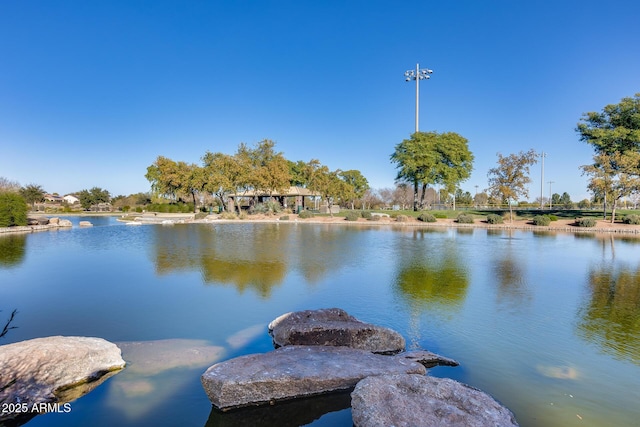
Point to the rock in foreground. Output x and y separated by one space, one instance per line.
333 327
418 400
54 369
296 371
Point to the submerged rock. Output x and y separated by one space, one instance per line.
153 357
418 400
54 370
333 327
296 371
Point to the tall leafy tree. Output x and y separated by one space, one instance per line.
221 172
431 158
356 187
613 177
297 173
326 182
243 180
508 181
93 196
615 129
270 170
176 180
191 181
614 133
565 201
164 176
32 194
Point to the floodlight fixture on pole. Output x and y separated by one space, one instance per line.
417 75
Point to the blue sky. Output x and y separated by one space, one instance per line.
91 92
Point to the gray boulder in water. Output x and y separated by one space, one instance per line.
418 400
333 327
296 371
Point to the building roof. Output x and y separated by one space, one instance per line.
291 192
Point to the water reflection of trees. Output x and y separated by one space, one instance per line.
431 275
12 249
247 256
260 276
611 317
319 250
254 256
508 270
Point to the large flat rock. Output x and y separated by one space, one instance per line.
296 371
54 369
333 327
418 400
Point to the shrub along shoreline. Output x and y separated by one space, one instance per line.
427 219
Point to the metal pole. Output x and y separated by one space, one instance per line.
550 197
417 75
542 155
417 94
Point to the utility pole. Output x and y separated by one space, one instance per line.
542 156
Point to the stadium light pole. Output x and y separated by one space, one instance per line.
417 75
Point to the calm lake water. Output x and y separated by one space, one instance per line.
547 323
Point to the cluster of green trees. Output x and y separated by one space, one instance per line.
614 134
94 196
260 168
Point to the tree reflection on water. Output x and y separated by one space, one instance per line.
431 276
12 249
254 256
611 316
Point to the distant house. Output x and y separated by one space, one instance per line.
71 199
53 198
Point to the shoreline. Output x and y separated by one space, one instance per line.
560 226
